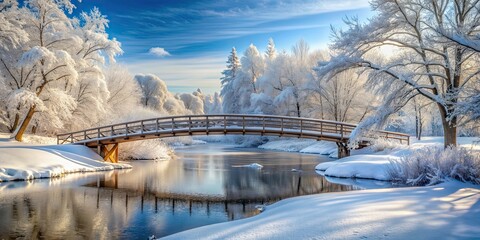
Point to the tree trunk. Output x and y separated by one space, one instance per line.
420 124
449 129
25 123
34 129
417 130
15 123
449 134
298 110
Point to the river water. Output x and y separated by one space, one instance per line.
204 184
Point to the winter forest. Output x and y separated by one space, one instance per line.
58 73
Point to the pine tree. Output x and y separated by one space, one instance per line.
228 93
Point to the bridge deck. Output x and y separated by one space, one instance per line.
220 124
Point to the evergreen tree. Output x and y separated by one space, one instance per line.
228 93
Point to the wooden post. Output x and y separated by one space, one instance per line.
225 124
189 125
281 126
243 123
207 124
301 127
321 128
263 125
341 132
110 155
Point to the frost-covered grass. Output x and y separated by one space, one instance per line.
432 165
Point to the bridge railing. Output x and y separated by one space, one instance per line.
222 124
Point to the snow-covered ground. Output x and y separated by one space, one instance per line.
368 164
303 146
446 211
24 161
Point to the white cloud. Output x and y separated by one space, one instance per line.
159 52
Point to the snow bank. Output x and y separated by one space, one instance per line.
302 146
368 164
446 211
21 161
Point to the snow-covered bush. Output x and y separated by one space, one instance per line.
429 166
145 150
381 144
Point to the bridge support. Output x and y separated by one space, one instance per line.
110 155
343 150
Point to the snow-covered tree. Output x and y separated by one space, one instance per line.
215 104
271 52
425 63
47 73
343 97
228 92
154 90
125 93
246 81
155 95
10 18
212 104
192 102
283 84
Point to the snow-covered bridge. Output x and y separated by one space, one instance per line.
107 138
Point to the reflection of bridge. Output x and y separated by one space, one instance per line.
175 126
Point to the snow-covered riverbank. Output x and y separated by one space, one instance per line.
369 163
23 161
446 211
375 165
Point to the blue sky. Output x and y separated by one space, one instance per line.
192 39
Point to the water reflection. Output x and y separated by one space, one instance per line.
200 187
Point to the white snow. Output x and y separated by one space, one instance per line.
252 165
303 146
446 211
372 165
22 161
287 145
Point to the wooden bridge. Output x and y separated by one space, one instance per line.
107 138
